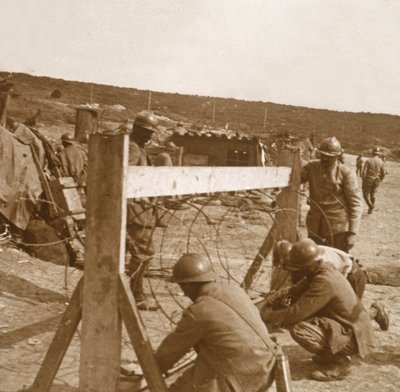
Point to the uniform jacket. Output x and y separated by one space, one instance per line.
223 340
340 260
140 211
335 200
330 295
373 171
74 163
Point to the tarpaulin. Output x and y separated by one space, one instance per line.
20 186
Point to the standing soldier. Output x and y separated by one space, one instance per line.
335 201
74 163
141 218
372 175
359 165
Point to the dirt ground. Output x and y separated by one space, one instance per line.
34 293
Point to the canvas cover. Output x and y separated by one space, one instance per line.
20 186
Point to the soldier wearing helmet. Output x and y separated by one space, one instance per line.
141 217
234 351
326 317
335 202
372 175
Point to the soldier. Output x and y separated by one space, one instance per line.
335 202
141 218
372 175
325 316
359 165
73 160
234 351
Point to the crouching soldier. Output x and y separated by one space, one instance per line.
234 351
346 264
325 316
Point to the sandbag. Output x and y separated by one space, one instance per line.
53 249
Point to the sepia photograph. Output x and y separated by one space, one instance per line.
200 196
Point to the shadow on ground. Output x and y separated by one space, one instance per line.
23 288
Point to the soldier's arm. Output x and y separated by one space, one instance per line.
383 172
364 169
315 298
353 199
185 336
304 176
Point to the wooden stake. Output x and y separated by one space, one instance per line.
86 123
104 261
287 215
140 340
285 224
59 345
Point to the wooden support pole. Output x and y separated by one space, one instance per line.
285 224
59 345
287 201
104 261
86 123
139 338
287 215
259 259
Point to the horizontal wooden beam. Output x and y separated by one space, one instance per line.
146 181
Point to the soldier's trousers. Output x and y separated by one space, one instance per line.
139 244
325 337
369 192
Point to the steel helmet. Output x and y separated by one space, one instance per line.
283 248
67 138
146 120
304 253
376 150
192 267
330 147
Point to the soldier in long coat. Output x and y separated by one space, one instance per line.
234 351
335 201
372 175
326 317
140 217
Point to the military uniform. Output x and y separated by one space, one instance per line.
74 163
139 229
234 351
327 318
347 266
372 174
335 203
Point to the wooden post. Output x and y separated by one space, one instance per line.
286 217
59 345
287 201
140 340
104 261
4 98
86 123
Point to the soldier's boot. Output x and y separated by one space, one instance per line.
338 368
381 317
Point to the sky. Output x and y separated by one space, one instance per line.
334 54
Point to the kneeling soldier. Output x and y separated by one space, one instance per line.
325 315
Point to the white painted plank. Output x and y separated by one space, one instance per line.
146 181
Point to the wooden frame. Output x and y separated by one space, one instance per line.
106 297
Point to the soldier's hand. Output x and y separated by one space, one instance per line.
351 239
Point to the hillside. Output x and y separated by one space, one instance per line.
357 131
